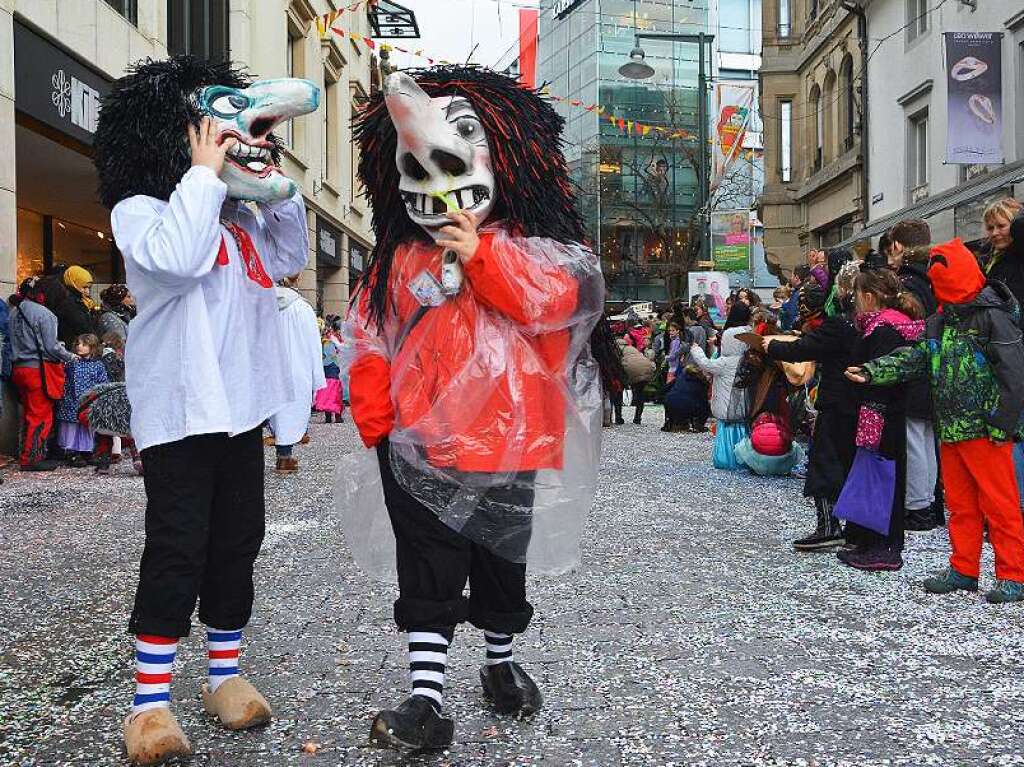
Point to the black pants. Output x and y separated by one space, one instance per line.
639 399
204 527
435 563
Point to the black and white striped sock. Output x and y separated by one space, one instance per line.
428 661
499 648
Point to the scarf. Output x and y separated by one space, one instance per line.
911 330
78 279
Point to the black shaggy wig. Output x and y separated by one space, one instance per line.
142 137
534 195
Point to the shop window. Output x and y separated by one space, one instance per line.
31 248
197 27
44 241
917 19
786 140
917 156
127 8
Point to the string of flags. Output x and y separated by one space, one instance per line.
326 22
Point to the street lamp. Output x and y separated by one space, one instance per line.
638 69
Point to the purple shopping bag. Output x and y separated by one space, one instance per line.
868 494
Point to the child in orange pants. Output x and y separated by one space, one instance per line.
973 353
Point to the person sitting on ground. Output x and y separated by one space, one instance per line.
974 359
686 401
729 405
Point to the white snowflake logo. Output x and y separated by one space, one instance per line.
61 96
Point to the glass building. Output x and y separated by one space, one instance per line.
638 184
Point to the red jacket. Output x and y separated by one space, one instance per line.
480 380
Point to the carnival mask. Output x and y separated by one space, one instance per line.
443 155
249 115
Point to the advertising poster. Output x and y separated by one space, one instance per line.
734 105
974 81
713 287
730 241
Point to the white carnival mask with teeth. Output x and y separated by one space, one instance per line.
443 155
249 115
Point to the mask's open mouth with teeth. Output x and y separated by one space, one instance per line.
427 206
256 160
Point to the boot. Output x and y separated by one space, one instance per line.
510 689
920 520
827 534
237 704
287 464
154 736
414 725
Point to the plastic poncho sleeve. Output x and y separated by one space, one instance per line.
178 246
907 363
369 385
536 294
1006 355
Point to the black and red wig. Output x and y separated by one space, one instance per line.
534 194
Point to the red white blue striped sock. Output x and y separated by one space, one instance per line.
499 648
154 664
223 648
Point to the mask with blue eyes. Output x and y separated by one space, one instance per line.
443 154
249 115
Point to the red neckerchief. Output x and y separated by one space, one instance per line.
253 265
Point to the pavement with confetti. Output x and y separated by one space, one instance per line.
691 635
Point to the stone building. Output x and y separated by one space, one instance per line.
811 103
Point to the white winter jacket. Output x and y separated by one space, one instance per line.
727 404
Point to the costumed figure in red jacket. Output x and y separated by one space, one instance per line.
472 374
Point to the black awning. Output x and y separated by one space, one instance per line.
966 192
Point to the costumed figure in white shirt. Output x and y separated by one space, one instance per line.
474 377
180 145
304 357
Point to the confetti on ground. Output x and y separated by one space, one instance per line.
691 635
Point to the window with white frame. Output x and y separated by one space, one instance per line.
917 18
786 140
917 156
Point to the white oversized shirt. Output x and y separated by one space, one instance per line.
205 353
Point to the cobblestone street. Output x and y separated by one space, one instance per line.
692 634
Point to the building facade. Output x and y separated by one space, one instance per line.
637 187
811 105
909 115
58 58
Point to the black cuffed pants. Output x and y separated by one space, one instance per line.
434 564
205 517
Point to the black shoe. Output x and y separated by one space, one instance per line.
46 465
819 540
511 689
619 422
77 461
414 725
637 421
920 521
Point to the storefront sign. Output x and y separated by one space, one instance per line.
974 78
563 7
328 244
730 241
56 88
